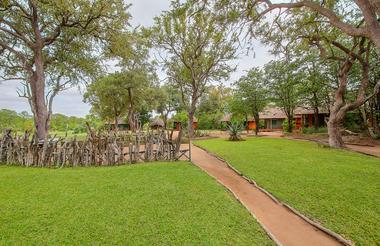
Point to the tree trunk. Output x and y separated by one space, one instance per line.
131 115
335 136
40 111
116 123
290 124
316 118
257 121
370 127
191 122
165 120
131 120
246 123
337 113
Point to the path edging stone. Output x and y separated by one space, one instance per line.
335 235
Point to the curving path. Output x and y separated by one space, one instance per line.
284 226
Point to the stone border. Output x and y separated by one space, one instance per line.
329 232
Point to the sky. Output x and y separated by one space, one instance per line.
70 102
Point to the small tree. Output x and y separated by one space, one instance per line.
252 92
317 84
107 97
168 100
213 105
111 96
284 78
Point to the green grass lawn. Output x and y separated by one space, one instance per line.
145 204
337 188
70 135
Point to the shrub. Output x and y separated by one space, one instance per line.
201 133
285 125
209 121
312 130
353 122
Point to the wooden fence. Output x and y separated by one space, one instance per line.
98 149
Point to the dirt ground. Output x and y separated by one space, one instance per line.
362 144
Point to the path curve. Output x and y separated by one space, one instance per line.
282 224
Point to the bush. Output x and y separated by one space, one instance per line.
80 129
201 133
261 124
353 122
312 130
285 125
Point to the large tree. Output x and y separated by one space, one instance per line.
53 44
251 89
198 47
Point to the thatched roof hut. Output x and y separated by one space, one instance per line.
157 123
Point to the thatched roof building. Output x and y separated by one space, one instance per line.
157 123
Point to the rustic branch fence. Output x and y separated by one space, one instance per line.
98 149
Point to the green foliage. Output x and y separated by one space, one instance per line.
198 48
251 93
60 122
118 205
109 95
10 119
55 45
182 117
234 129
312 130
168 100
209 121
285 125
212 107
201 133
354 122
284 80
338 188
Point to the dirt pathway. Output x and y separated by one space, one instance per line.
286 227
369 150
